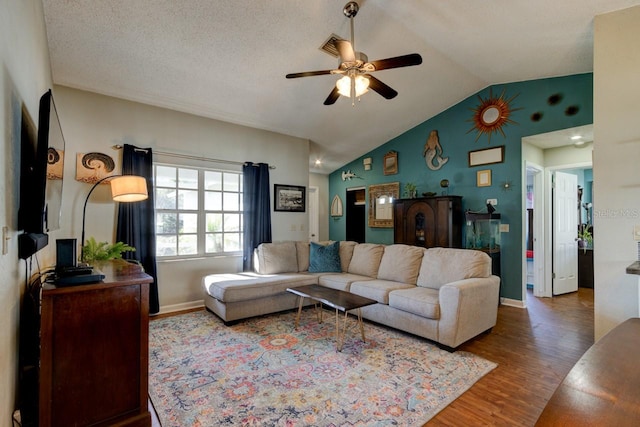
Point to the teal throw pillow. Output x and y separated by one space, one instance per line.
324 259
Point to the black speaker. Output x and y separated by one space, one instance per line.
66 253
30 243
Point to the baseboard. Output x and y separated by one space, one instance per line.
181 307
513 302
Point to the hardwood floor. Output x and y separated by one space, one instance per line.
534 348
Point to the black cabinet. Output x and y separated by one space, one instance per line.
585 268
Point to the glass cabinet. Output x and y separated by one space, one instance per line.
482 232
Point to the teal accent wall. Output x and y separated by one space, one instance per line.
453 127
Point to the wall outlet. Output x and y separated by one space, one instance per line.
636 233
492 202
504 228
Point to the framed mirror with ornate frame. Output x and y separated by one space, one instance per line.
381 197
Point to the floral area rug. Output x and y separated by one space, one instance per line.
262 372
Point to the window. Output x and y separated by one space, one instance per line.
198 211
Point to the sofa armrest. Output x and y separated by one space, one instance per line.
467 308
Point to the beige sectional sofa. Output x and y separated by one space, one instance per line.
442 294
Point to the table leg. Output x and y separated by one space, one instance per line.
340 336
361 325
300 301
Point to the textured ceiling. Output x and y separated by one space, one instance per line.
226 59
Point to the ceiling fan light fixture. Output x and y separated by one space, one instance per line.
344 86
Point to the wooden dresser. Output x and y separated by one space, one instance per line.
94 350
428 221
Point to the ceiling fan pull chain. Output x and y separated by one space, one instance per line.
353 89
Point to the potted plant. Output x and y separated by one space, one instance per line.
585 238
410 190
103 251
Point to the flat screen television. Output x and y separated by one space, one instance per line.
41 172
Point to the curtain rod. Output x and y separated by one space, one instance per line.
190 157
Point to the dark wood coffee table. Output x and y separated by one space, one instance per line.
341 301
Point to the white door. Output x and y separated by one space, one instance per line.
565 233
314 225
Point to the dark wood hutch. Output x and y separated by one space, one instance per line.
429 221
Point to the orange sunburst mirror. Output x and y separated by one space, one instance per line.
492 114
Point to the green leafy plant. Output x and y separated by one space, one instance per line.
410 190
103 251
584 235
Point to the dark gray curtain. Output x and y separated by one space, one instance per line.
257 210
136 221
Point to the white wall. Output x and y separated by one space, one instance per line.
93 122
322 182
568 155
24 77
616 190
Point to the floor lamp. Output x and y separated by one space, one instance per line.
124 188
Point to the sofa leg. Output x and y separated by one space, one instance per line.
231 322
446 348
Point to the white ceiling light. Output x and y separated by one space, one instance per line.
344 86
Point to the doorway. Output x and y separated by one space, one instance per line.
542 156
314 222
356 214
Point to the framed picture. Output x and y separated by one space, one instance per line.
288 198
390 163
486 156
483 178
92 167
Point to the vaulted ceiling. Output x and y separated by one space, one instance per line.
227 59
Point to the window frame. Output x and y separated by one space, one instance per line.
201 213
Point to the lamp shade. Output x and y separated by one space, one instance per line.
129 188
344 85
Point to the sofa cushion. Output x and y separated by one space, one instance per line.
277 258
324 258
377 289
366 259
234 287
346 253
302 253
400 263
445 265
417 300
341 281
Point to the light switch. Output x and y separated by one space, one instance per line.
5 240
504 228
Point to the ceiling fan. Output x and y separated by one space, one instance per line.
355 68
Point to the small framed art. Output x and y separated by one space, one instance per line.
483 178
487 156
289 198
390 163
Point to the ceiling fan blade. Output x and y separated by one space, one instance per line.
333 97
346 50
384 90
308 74
397 62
